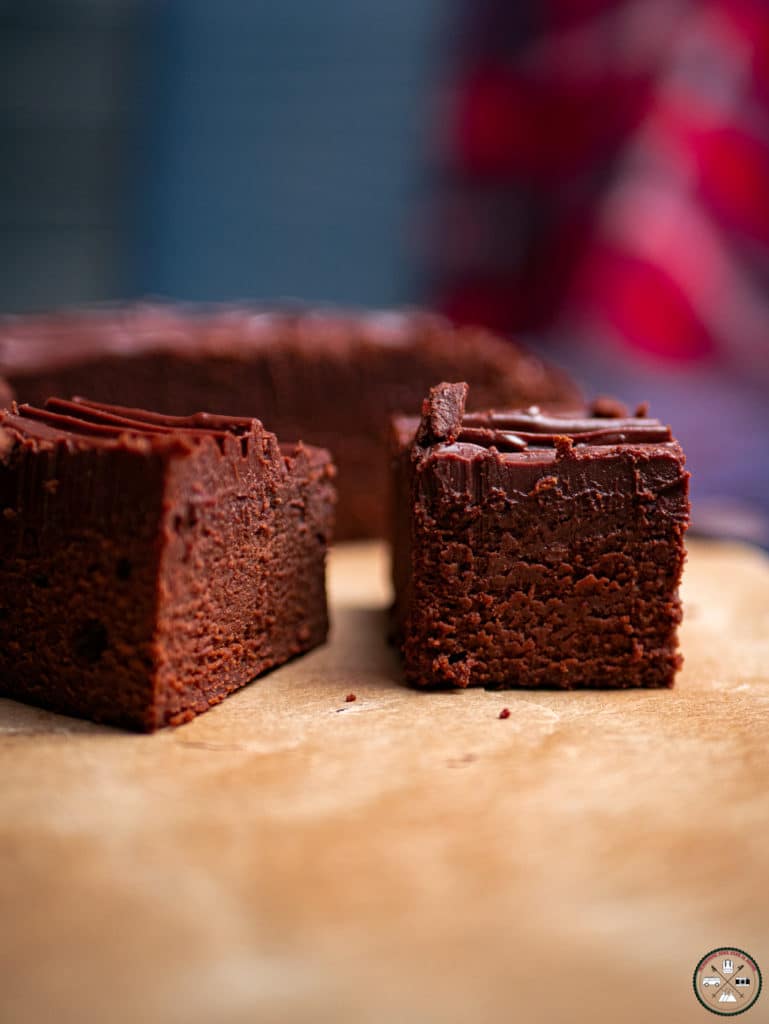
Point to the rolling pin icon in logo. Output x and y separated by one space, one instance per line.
727 981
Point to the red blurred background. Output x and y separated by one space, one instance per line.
605 191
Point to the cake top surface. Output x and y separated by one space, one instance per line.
445 428
82 423
33 343
60 337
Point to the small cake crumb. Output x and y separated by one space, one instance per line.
350 696
504 713
564 446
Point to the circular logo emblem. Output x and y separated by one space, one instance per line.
727 981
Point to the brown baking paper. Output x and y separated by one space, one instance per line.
291 856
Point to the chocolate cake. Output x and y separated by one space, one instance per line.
5 393
537 550
330 379
150 565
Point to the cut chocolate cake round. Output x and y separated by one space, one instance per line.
332 379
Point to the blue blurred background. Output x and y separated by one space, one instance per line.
205 150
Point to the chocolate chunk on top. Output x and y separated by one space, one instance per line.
442 414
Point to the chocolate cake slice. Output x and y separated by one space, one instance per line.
536 550
150 565
331 379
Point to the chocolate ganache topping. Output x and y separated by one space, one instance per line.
445 421
62 419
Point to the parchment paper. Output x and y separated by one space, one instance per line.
291 856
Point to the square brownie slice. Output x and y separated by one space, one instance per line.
537 551
150 565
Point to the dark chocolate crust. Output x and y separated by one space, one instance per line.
150 566
328 378
539 551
